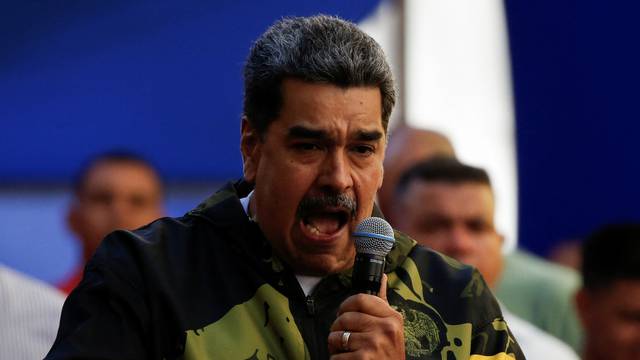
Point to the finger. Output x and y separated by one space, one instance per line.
363 323
335 341
383 288
355 321
343 356
368 304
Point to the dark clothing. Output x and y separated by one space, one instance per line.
207 286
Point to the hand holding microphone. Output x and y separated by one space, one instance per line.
366 326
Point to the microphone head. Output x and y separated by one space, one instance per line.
374 236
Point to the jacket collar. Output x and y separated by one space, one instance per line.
223 207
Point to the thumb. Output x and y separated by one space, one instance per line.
383 288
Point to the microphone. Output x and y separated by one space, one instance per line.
374 239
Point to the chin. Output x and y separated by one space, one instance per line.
321 265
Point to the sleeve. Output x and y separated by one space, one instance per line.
494 341
105 317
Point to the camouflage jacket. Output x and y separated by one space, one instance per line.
206 286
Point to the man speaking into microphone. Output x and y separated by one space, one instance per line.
263 268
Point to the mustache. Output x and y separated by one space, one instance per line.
311 204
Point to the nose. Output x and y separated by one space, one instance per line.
121 215
335 173
460 242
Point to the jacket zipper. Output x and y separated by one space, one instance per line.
310 325
311 306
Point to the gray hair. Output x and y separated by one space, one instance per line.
321 49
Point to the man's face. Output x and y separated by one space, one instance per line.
326 142
454 219
115 195
407 147
611 319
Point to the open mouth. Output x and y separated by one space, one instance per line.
325 223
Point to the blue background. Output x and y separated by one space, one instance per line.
163 78
576 85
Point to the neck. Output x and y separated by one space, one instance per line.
87 254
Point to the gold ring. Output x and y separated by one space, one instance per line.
345 340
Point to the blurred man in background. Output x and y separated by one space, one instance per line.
408 146
449 207
115 190
609 301
532 288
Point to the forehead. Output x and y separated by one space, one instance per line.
622 292
120 174
321 105
450 198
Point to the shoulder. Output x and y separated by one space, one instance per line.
553 276
535 342
446 305
528 279
167 250
154 240
29 304
24 292
457 291
29 315
432 267
179 236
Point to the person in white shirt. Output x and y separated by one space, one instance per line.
29 316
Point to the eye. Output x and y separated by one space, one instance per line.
435 224
363 149
101 197
305 146
477 225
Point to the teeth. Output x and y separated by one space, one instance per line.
313 229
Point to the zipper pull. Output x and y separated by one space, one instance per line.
311 306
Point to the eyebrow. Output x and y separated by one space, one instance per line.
373 135
299 131
303 132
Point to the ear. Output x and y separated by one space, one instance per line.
73 220
381 179
384 151
583 306
250 146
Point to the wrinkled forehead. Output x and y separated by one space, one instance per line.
318 110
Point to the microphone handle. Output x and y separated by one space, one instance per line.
367 273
